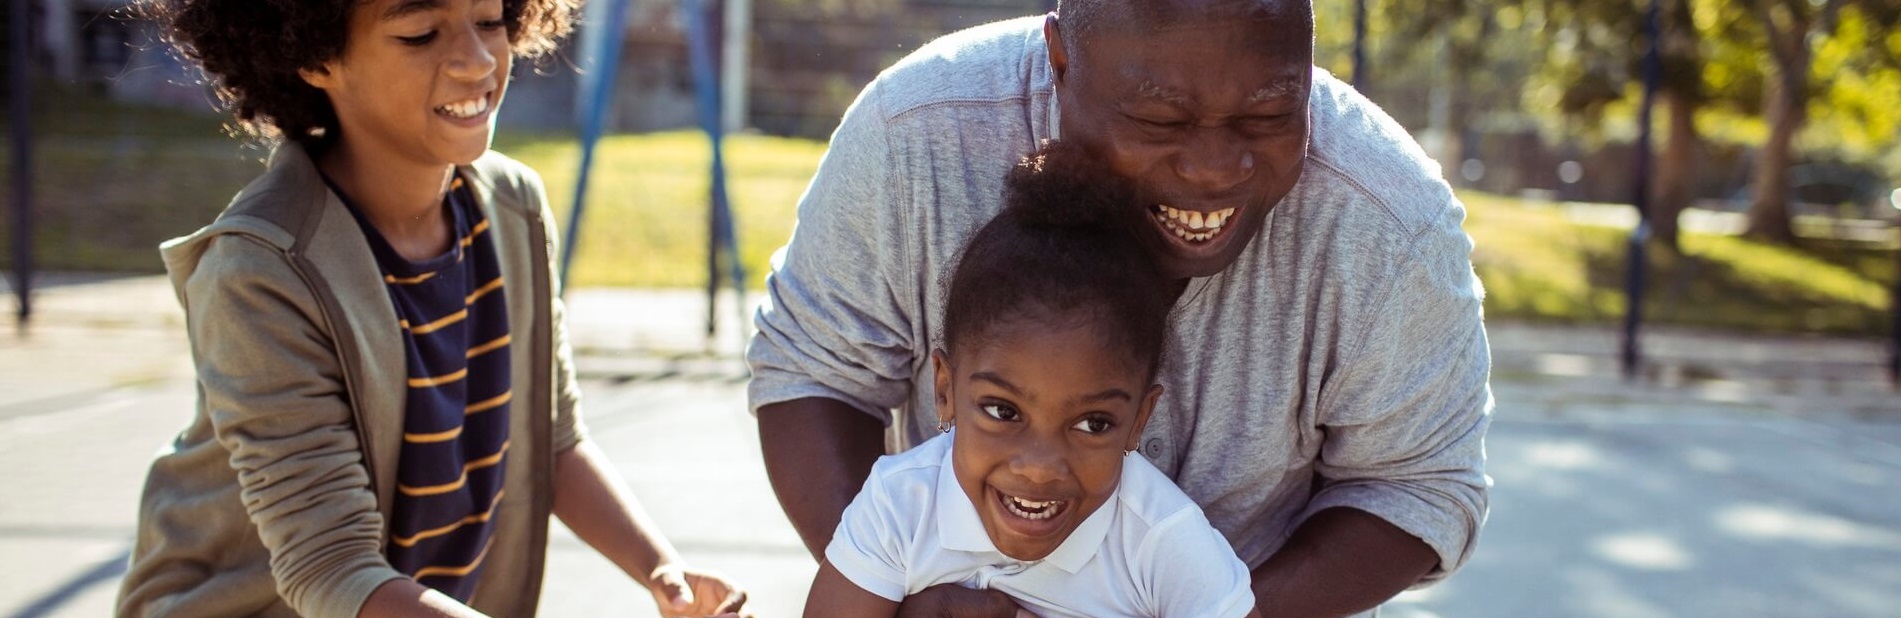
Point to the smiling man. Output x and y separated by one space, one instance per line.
1326 370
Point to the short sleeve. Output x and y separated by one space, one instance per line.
1187 569
1407 415
837 319
871 542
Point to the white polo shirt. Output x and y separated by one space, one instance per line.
1146 552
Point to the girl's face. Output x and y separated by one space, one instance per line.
1045 409
419 81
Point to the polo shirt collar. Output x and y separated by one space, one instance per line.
960 529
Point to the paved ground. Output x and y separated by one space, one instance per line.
1741 477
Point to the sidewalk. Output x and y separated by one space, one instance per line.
625 333
104 376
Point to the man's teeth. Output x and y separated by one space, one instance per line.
465 109
1032 509
1190 225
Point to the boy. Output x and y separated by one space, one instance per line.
387 412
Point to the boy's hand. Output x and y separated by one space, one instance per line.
954 601
680 591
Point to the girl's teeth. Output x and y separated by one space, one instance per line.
1032 509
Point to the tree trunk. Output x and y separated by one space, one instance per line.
1670 191
1673 186
1786 99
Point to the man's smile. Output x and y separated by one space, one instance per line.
1192 226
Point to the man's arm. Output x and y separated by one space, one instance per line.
1340 562
1402 489
818 453
833 595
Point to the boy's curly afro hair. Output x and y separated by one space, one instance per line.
253 49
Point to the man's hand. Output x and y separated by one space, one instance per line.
818 452
954 601
690 592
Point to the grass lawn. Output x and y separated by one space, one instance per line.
113 181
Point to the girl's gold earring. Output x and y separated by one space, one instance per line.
943 427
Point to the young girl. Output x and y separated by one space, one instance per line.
1053 329
388 413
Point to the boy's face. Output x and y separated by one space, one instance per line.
419 81
1044 411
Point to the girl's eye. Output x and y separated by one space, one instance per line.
1000 412
418 40
1094 425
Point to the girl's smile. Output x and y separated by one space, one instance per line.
1045 407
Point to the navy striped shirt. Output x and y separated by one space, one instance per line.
454 317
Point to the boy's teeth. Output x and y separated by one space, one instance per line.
1192 226
465 109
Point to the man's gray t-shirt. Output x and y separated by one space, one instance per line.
1339 362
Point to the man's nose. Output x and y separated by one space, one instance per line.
1214 160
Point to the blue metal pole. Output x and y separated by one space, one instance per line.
1360 78
723 242
19 75
1639 237
600 94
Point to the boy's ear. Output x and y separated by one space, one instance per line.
1142 417
941 384
319 77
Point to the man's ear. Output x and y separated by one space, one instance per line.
319 77
1053 39
1142 417
941 385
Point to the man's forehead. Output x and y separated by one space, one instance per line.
1155 15
1273 89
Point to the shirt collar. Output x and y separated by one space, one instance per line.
960 529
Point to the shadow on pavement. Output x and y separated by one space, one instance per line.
107 571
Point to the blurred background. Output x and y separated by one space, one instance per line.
1731 448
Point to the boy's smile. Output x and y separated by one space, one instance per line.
1044 408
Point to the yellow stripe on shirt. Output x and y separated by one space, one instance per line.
455 571
437 325
427 438
411 541
477 231
438 380
488 404
408 280
444 488
488 347
484 290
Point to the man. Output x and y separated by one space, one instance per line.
1326 378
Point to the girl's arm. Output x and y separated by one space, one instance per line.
591 499
833 595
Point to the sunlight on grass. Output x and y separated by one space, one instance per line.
1536 264
646 219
